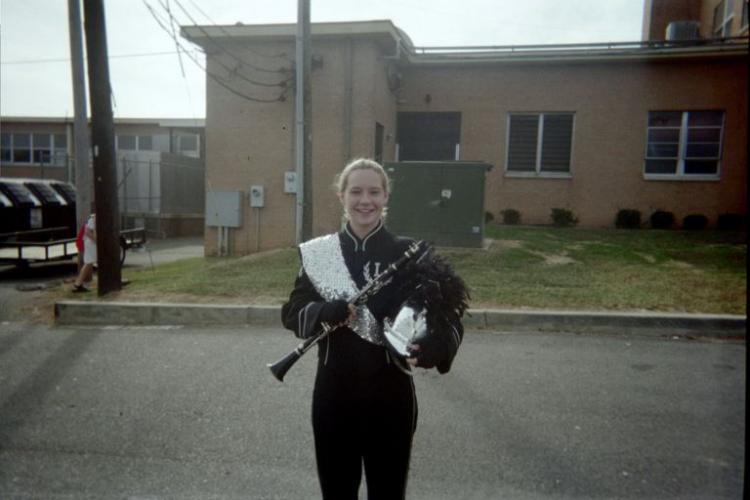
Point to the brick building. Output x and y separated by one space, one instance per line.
593 128
160 166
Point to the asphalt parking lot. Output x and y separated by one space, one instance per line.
193 413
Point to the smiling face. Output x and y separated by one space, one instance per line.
364 197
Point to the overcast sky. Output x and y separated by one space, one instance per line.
147 82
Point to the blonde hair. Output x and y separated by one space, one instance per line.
361 164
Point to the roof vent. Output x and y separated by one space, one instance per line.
683 31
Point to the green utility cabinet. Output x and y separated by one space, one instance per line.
438 201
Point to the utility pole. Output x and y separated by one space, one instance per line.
103 138
80 123
303 128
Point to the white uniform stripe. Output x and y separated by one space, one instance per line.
302 321
364 242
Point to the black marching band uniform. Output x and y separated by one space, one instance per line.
364 408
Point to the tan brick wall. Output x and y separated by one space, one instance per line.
253 143
249 143
611 102
35 172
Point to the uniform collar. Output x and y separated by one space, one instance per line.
362 243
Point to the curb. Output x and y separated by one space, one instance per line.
635 323
638 323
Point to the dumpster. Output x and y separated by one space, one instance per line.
21 210
38 223
56 211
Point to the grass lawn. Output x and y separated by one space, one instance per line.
614 269
523 267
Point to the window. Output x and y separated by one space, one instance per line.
42 148
21 148
130 142
60 156
145 143
36 148
743 19
187 144
540 144
5 149
126 142
684 144
723 15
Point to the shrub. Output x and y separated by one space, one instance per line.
488 217
694 222
511 216
562 217
731 222
628 219
662 219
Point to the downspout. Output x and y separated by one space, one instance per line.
397 55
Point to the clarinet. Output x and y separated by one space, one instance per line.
279 368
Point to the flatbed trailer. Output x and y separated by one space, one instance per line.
23 248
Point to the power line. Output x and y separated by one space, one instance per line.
229 69
171 25
281 55
217 79
221 47
67 60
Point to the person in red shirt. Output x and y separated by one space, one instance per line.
88 251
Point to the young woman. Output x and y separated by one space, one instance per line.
364 408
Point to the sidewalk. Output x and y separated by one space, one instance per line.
637 323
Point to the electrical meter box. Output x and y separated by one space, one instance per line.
290 182
438 201
224 208
257 197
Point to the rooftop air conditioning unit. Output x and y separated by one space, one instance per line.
683 31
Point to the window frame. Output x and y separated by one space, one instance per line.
140 139
59 152
52 150
680 174
6 147
180 149
538 172
45 151
724 28
119 138
29 148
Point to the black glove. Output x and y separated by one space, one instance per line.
334 312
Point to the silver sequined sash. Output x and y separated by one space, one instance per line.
325 266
